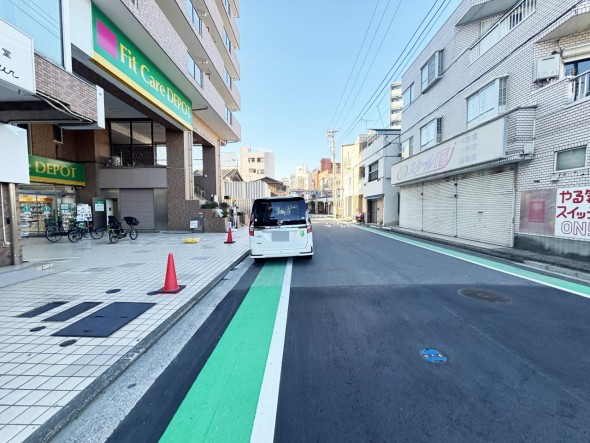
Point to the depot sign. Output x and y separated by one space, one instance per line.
116 54
47 170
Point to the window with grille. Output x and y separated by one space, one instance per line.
373 171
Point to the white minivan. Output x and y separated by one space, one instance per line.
280 227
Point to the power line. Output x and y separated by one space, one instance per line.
354 64
363 62
398 63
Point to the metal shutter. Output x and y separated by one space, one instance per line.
485 207
138 203
440 207
410 211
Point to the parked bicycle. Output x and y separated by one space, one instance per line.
117 231
77 232
56 231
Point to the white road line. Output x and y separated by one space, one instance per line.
266 412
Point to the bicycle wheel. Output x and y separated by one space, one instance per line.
113 237
132 233
96 233
74 235
53 234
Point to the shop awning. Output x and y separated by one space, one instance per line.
374 197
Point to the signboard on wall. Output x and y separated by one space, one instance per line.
47 170
17 58
479 145
118 55
14 155
537 211
572 213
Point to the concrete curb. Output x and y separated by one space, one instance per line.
55 424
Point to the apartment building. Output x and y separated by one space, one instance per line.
496 127
256 163
106 103
351 198
395 105
378 154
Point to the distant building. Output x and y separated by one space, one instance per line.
256 164
395 105
351 198
300 179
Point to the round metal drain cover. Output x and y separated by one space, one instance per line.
433 356
479 294
112 291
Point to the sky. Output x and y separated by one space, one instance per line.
297 78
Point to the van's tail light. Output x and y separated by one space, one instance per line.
251 230
308 227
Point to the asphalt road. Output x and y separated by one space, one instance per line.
359 314
364 308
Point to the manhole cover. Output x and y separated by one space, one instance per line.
479 294
433 356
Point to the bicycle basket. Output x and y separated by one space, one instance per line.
131 221
113 222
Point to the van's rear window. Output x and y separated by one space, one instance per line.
270 212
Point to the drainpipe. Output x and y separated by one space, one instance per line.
14 224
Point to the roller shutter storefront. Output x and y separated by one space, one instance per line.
476 206
138 203
485 207
410 209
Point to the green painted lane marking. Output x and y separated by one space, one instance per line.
564 285
221 404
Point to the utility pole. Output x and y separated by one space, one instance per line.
330 135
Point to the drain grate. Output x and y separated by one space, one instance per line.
483 295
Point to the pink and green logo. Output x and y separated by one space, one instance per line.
117 54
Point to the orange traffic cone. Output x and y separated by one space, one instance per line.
170 284
229 238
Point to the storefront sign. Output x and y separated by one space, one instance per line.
480 145
17 58
46 170
572 212
115 53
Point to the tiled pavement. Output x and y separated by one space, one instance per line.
42 382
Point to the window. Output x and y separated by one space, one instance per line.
408 96
259 159
228 79
260 171
252 171
194 16
570 159
227 7
407 147
138 143
487 102
251 160
194 70
431 133
578 67
228 115
227 41
41 20
432 70
373 171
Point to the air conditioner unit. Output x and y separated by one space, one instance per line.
546 67
114 161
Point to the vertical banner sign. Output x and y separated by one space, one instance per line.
17 58
116 54
572 213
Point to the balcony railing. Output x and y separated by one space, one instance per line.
581 86
503 27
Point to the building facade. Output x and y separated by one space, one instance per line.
256 163
351 200
116 100
496 127
395 105
378 154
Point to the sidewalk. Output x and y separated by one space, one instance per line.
518 255
43 380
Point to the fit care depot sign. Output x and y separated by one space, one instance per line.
17 58
47 170
116 54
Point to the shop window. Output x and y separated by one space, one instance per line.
136 143
41 20
570 159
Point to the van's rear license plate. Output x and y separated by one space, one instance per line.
280 236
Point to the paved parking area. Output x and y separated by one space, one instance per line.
40 377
